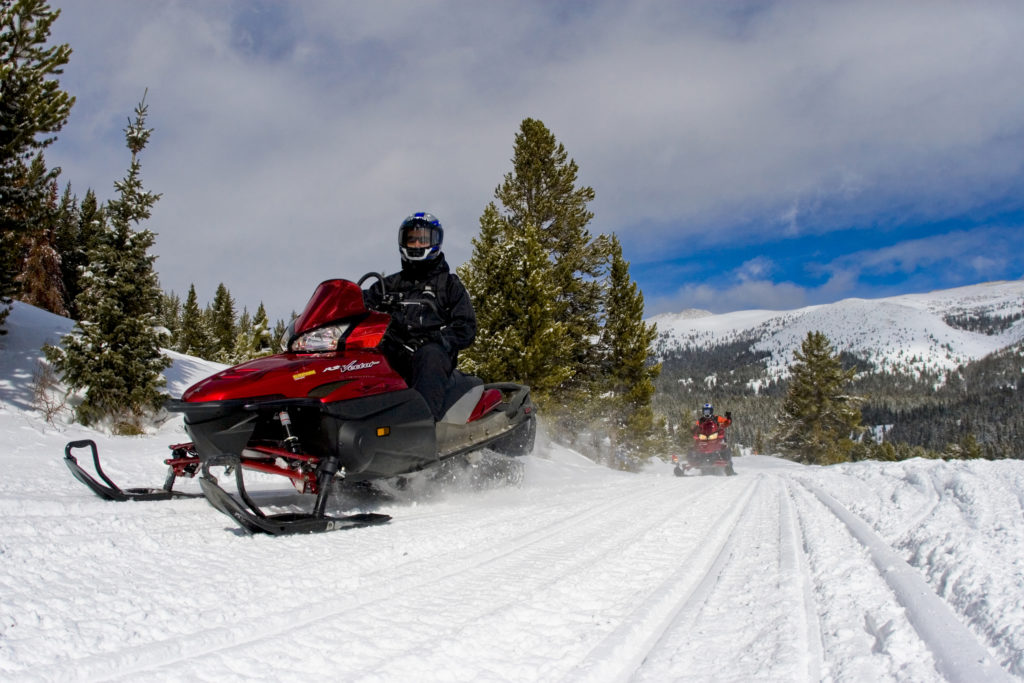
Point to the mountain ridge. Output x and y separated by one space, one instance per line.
914 333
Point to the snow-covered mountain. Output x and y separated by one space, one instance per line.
935 331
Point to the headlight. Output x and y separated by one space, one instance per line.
321 339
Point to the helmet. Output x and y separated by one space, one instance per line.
419 237
708 410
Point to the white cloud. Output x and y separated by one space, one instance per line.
292 138
747 294
979 251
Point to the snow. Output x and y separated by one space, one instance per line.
786 572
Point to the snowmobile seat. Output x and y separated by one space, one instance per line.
461 396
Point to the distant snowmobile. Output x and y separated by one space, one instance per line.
328 407
710 452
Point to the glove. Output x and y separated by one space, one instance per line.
728 415
398 329
432 337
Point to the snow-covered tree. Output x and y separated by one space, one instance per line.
244 342
223 325
79 228
541 191
515 298
625 346
169 315
819 419
32 109
41 284
556 308
40 278
253 337
194 337
114 354
541 204
280 327
258 341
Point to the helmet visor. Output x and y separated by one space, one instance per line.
419 240
419 235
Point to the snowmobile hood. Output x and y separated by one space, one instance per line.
325 376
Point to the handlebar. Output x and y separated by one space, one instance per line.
368 276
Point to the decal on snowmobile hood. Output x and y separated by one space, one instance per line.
354 365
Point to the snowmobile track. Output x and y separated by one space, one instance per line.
958 653
794 562
622 652
760 519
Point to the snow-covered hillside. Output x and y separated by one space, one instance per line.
908 332
864 572
30 328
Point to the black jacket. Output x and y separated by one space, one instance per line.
432 304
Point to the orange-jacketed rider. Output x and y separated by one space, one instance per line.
708 415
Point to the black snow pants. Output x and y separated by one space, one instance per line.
428 372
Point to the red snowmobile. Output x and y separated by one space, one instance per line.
328 407
710 453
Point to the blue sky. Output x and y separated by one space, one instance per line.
748 154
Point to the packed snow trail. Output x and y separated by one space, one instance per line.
579 573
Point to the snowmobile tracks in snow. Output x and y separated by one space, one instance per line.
959 656
648 642
496 563
744 565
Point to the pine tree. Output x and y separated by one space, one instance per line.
280 328
967 448
32 109
541 191
244 341
625 344
41 283
40 277
223 325
510 279
759 445
79 230
260 333
114 354
253 338
819 419
194 338
65 236
169 316
540 232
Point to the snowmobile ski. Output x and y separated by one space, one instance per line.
112 491
254 521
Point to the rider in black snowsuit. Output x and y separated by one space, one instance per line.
432 314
